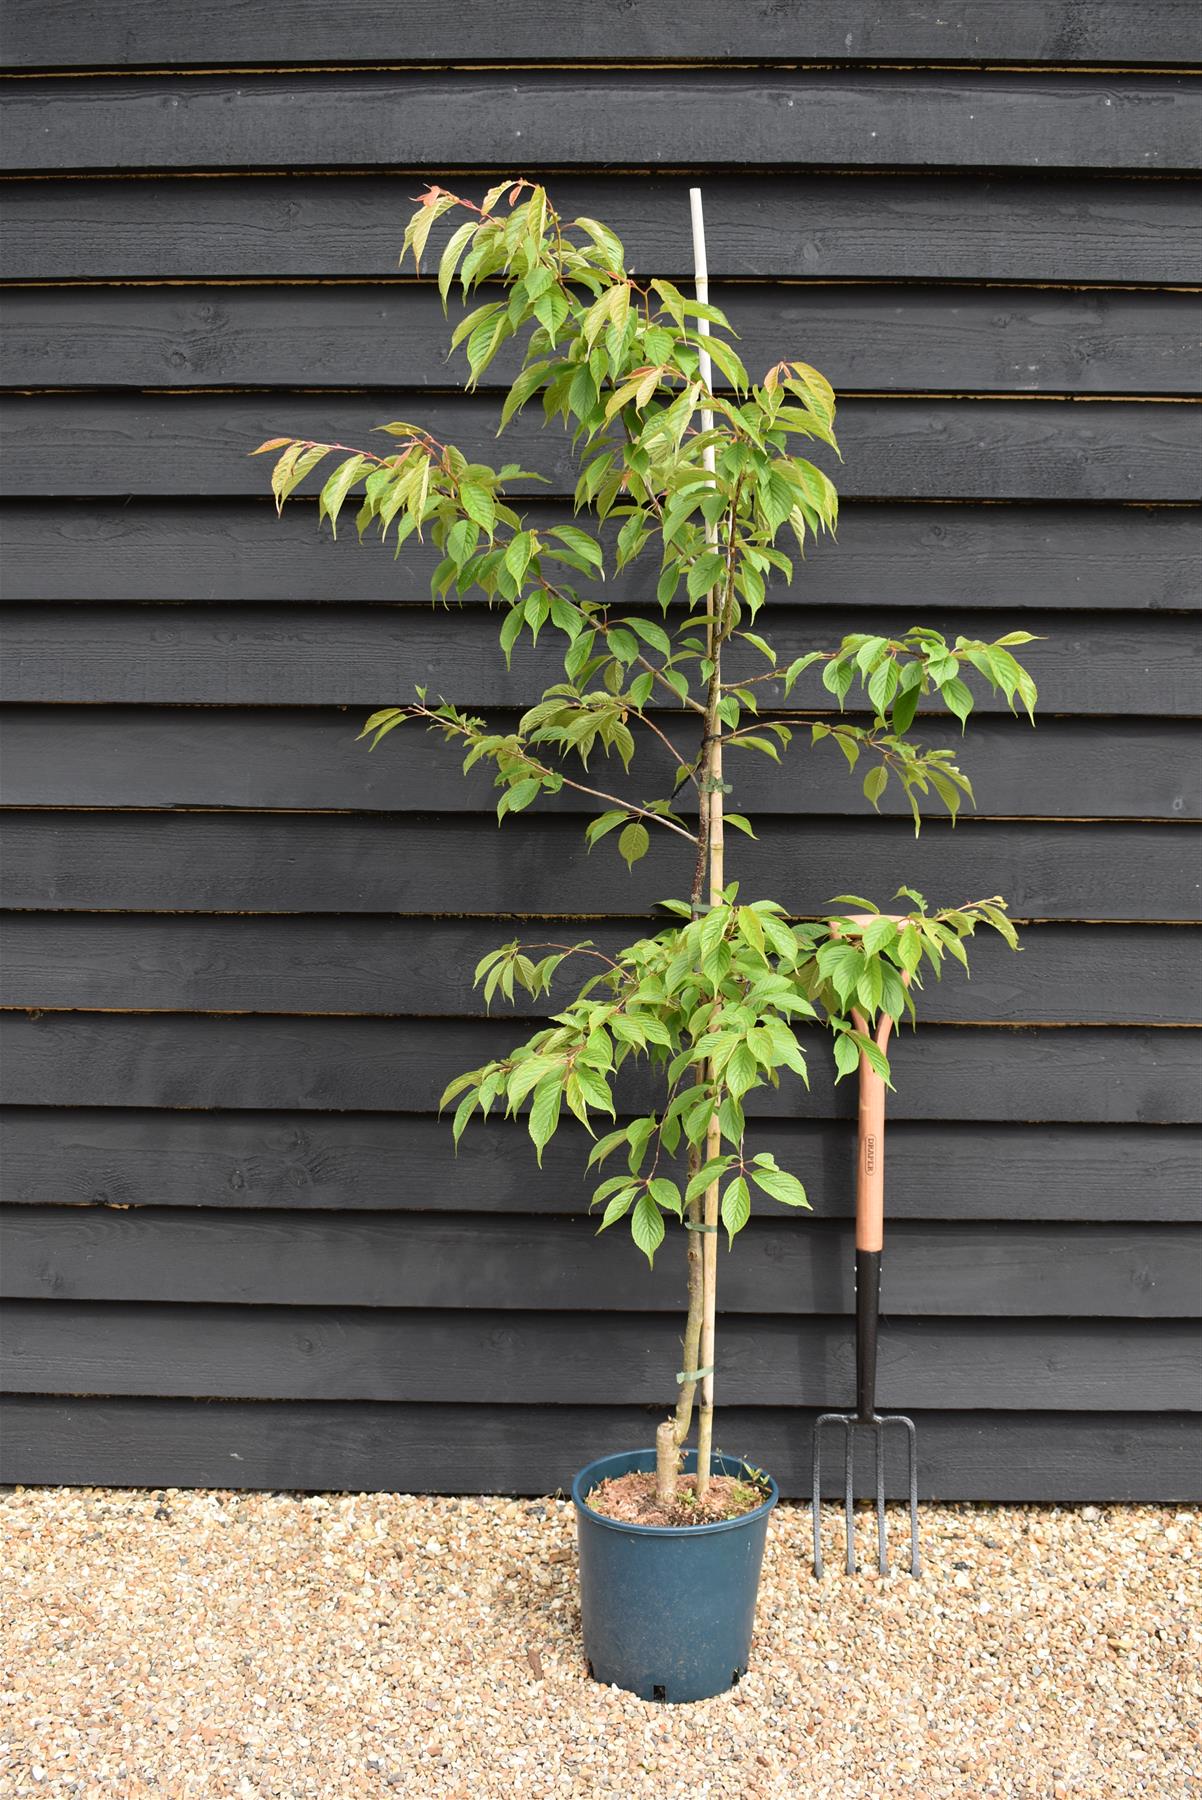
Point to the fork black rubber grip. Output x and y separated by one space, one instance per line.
868 1308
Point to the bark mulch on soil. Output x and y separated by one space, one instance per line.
199 1645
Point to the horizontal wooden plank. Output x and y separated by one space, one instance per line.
181 444
1087 1074
944 227
1081 974
361 1446
210 862
864 337
571 119
379 1162
313 760
1059 558
458 1262
364 1353
206 654
136 33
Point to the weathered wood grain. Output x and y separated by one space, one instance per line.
214 862
864 337
1086 1074
312 759
703 118
1074 558
360 1446
379 1162
1082 974
796 1267
888 227
922 449
130 33
323 655
365 1353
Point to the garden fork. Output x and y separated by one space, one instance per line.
870 1235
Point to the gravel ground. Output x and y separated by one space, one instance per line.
210 1644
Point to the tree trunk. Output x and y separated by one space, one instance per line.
666 1460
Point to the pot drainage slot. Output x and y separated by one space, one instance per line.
659 1693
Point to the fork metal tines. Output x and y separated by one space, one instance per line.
877 1424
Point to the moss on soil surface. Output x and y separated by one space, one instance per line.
631 1499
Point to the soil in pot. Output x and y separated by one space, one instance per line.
631 1499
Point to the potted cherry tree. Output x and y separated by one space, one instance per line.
665 1045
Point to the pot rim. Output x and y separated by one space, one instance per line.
670 1531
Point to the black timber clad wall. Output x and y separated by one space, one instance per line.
238 1249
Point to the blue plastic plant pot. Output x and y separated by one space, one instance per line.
668 1609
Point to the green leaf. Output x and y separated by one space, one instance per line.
704 574
633 843
739 823
462 1114
617 1208
647 1227
883 687
909 945
607 1145
478 504
847 1056
517 554
527 383
462 539
840 963
449 260
705 1177
338 487
781 1186
873 1055
511 628
758 643
607 241
736 1207
947 790
958 697
606 821
292 468
652 634
520 794
881 932
906 704
837 677
544 1113
530 1073
666 1194
868 652
580 542
551 309
799 666
741 1072
875 783
457 1086
869 986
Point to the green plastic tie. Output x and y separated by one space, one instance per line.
684 1375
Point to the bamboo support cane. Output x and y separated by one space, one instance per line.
712 797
